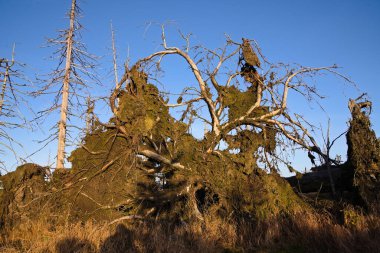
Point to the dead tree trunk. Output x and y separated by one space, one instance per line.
114 58
6 79
3 88
65 91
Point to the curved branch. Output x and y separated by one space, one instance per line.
202 85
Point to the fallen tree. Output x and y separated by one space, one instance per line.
146 168
359 175
145 164
171 174
319 181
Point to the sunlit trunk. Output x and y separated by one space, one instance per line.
65 92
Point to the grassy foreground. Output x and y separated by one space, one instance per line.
305 233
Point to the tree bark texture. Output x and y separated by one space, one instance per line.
65 92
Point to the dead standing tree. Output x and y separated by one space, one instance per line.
6 77
13 102
65 90
67 82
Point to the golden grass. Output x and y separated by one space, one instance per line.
303 233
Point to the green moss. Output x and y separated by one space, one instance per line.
364 158
279 198
237 101
107 173
21 196
22 173
249 54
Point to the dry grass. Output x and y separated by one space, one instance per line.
303 233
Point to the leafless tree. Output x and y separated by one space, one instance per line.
67 82
114 57
327 161
13 102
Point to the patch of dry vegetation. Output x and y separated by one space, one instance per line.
300 233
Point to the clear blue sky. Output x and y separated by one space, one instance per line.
311 33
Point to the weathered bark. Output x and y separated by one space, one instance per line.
4 86
65 91
114 59
5 80
159 158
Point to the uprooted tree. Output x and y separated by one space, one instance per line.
142 134
144 163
